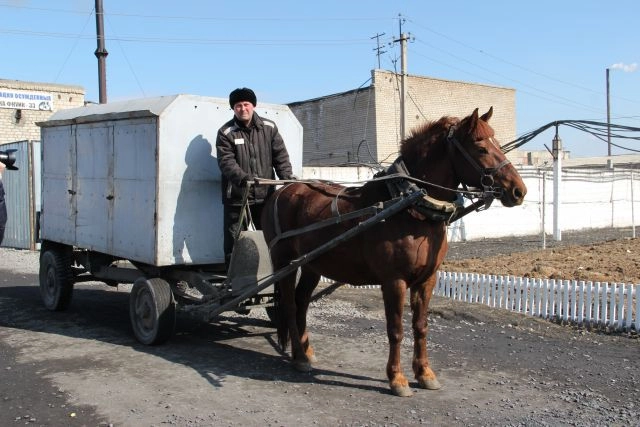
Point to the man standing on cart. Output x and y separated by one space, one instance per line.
248 147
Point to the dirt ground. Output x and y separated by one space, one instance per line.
82 367
616 258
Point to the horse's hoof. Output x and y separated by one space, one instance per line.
302 366
429 383
312 358
401 391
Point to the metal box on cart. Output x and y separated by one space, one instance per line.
138 181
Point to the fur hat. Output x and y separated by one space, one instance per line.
242 94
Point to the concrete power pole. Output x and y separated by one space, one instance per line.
557 184
608 118
101 53
403 79
378 49
403 97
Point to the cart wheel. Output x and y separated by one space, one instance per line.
56 279
152 310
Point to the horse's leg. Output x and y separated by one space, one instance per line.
307 283
288 328
420 297
393 294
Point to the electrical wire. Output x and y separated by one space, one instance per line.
600 130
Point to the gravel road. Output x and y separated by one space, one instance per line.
83 366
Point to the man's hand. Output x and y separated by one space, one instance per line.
2 168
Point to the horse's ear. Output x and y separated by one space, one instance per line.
473 120
486 116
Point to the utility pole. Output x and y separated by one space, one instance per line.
608 118
557 181
378 49
101 53
403 65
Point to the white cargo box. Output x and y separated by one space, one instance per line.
139 179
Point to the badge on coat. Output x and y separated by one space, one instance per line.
239 141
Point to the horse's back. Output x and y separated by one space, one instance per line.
399 245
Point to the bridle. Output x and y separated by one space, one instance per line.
487 175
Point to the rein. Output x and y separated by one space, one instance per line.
486 174
401 185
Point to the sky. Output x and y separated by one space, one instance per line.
553 53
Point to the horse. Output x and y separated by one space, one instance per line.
404 251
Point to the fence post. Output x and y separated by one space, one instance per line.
613 316
581 291
597 315
633 217
544 208
620 309
637 288
588 304
628 322
565 301
552 298
544 308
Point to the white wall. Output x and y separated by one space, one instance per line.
588 199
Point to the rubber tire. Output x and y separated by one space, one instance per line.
56 279
152 311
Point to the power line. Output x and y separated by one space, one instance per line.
75 44
597 129
242 18
565 101
195 41
482 52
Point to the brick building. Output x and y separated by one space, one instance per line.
363 125
22 104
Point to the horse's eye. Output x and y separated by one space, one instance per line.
483 150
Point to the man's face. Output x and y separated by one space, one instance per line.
243 111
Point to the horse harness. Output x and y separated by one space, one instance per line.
426 207
486 174
400 184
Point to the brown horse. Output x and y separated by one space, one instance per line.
402 252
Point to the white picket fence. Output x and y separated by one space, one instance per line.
613 306
600 305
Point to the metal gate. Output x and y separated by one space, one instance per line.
22 188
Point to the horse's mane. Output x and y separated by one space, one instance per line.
420 139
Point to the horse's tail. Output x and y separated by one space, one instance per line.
283 327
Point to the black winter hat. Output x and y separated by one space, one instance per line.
242 94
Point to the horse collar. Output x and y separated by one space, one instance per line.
399 187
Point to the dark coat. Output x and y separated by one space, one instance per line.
3 211
245 153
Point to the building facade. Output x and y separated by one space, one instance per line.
363 125
23 104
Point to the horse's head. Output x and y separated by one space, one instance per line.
479 162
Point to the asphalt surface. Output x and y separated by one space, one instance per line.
88 342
